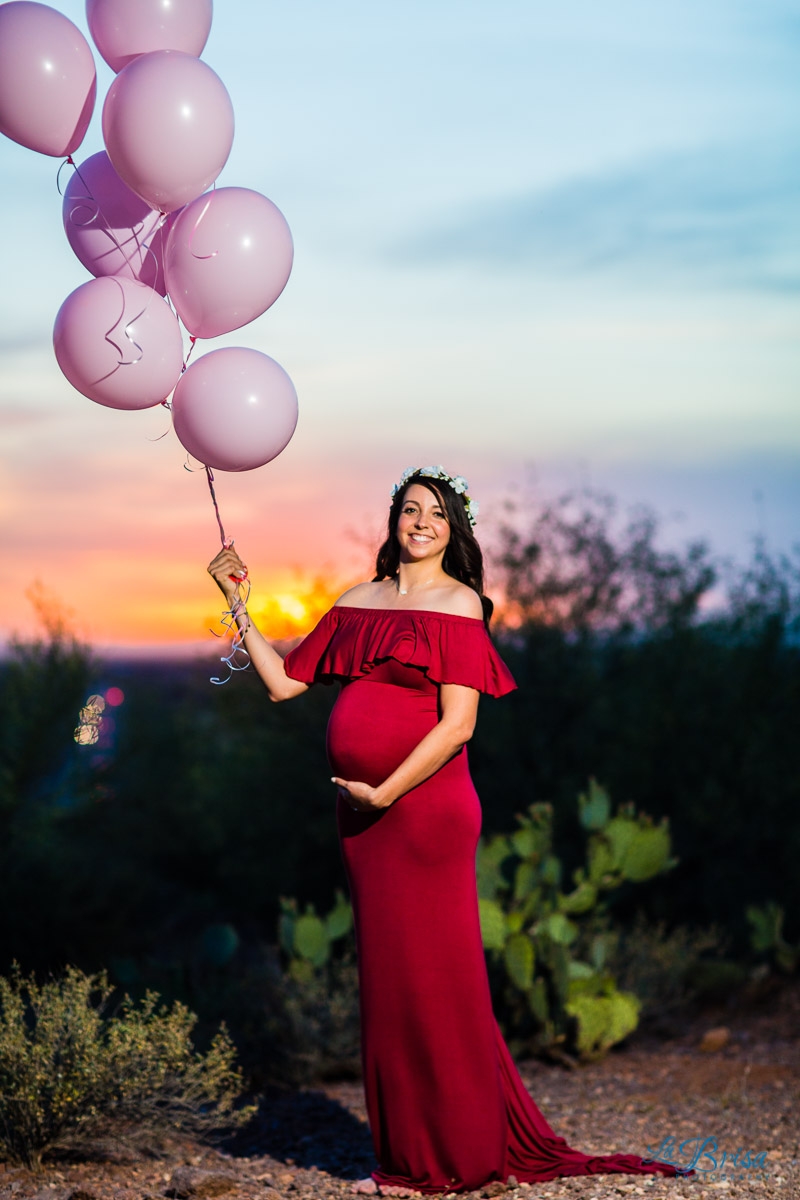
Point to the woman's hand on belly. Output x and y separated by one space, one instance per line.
459 707
361 796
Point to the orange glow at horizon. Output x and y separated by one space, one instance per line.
284 607
132 575
286 610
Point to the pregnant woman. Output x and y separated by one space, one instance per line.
410 649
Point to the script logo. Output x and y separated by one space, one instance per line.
704 1156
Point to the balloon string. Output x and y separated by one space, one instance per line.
237 612
226 541
166 404
69 159
192 343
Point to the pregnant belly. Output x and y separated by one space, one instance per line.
374 726
433 828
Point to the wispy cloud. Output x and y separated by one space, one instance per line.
726 216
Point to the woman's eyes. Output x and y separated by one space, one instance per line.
412 510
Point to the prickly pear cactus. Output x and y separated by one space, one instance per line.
603 1015
306 939
311 939
339 920
494 929
629 847
530 927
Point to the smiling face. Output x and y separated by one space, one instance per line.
423 531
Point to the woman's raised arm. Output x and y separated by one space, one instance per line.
228 572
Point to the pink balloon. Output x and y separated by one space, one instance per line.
124 29
111 229
234 409
118 343
227 259
47 79
168 127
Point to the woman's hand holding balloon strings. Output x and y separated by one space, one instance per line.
230 573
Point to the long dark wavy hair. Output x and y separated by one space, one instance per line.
462 558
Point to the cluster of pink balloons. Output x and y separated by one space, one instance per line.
139 217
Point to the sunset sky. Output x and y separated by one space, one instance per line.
544 245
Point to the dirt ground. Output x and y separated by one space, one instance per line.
736 1100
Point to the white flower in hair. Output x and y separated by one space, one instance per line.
457 482
409 471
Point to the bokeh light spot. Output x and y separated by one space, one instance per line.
90 717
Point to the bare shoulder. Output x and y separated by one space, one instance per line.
363 595
464 601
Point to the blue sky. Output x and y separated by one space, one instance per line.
532 241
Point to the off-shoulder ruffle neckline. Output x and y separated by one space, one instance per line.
349 641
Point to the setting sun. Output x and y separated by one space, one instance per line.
292 614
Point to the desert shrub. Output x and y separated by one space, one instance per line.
319 991
292 1024
320 1023
663 967
68 1065
291 1004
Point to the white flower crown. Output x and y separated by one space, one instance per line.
457 482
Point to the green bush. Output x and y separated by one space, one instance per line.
766 936
320 1023
319 992
68 1065
664 968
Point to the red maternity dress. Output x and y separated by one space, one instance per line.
447 1108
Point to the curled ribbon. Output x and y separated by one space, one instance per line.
95 216
230 619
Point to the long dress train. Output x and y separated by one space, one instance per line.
447 1107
